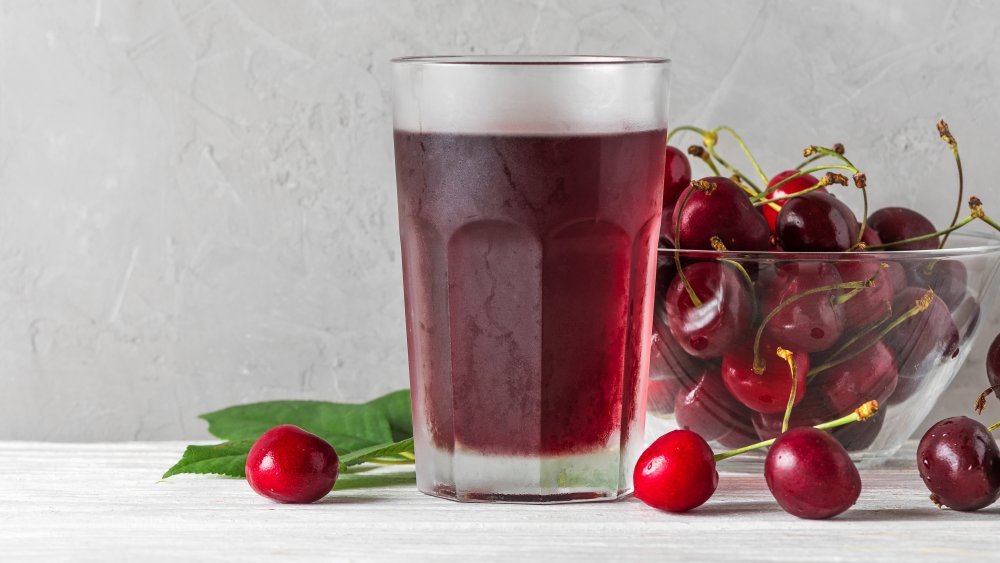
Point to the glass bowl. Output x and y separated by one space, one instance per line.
867 339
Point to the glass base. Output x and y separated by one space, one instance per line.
474 477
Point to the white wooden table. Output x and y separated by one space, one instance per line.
105 502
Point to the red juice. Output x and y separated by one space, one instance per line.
528 266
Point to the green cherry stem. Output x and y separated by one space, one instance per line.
788 357
948 138
700 152
746 150
919 306
929 236
758 362
689 128
801 173
862 413
867 330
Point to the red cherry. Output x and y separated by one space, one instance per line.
811 475
871 374
767 392
871 303
723 317
817 222
676 472
790 187
288 464
959 461
706 407
812 323
900 223
676 175
920 342
726 213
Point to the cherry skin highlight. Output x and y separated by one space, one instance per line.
726 213
676 175
959 461
676 472
722 319
811 475
900 223
790 187
289 465
767 392
707 408
817 222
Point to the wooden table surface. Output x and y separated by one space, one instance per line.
105 502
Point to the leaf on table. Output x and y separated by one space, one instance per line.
227 458
368 480
347 427
396 408
376 452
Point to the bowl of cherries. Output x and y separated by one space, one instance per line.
779 306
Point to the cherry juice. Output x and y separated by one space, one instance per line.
528 275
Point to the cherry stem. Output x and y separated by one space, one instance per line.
677 251
699 152
801 173
919 306
862 413
929 236
993 426
948 138
746 151
720 246
981 400
758 362
788 357
681 128
868 330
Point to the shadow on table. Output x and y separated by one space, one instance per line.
336 498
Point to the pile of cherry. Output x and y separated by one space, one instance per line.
768 348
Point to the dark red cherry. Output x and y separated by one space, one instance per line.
959 461
722 319
676 472
870 237
817 222
667 227
966 316
790 187
812 410
707 407
812 323
900 223
871 303
726 213
676 175
920 342
870 375
948 279
740 435
811 475
993 363
660 394
666 269
767 392
861 435
897 276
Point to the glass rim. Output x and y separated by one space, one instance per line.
530 60
989 243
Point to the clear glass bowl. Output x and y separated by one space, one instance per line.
857 345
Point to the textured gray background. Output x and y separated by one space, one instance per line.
197 203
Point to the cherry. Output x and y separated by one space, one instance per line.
993 362
813 410
288 464
948 279
959 462
870 374
660 394
667 227
856 437
676 175
707 407
740 435
725 212
767 392
812 323
921 341
817 222
676 472
966 316
870 237
793 186
871 303
722 318
666 269
897 276
900 223
810 474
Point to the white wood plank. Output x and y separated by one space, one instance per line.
106 502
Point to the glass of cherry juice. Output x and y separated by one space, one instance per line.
529 206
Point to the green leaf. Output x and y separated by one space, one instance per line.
396 408
375 452
227 458
347 427
368 480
